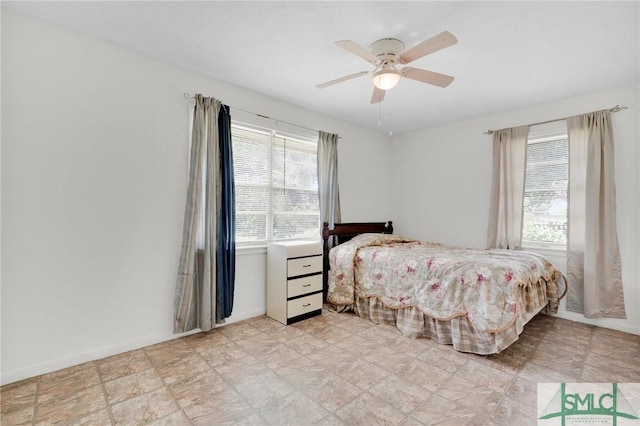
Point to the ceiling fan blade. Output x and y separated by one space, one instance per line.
437 79
356 49
435 43
377 96
341 79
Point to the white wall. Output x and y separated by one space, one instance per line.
94 166
441 180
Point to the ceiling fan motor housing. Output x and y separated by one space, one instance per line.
387 49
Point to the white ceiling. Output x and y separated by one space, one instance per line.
509 55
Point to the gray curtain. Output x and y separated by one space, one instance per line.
195 298
507 188
593 256
328 190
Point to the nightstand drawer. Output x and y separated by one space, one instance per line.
305 285
304 266
304 305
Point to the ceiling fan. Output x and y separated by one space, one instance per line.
387 53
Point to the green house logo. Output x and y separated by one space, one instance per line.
588 405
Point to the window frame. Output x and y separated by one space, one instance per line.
299 138
533 138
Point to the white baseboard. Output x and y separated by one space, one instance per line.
599 322
7 377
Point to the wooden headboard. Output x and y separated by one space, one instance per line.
343 232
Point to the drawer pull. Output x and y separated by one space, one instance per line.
308 304
306 285
306 266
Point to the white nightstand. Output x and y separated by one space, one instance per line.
294 280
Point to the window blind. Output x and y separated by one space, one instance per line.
276 185
545 194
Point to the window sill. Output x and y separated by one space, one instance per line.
547 250
249 250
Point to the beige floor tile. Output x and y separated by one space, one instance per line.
205 394
444 357
476 397
568 362
524 391
177 369
402 395
330 356
78 405
263 389
367 409
329 390
100 417
331 420
203 341
511 360
360 373
178 418
64 385
17 416
74 371
144 408
333 334
560 340
493 379
168 351
18 395
300 366
306 344
203 386
538 374
237 371
316 325
278 355
123 365
603 374
410 346
222 354
628 365
439 411
513 412
617 350
294 409
245 418
417 372
239 330
132 385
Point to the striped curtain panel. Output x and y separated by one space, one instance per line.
206 271
328 190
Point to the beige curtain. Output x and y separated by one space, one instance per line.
507 191
195 292
593 256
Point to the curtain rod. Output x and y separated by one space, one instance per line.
616 108
188 96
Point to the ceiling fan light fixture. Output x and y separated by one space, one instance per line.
385 79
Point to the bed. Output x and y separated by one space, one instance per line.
476 300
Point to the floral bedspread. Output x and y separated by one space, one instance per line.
486 286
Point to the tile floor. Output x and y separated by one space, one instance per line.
335 369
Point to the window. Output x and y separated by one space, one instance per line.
545 194
276 185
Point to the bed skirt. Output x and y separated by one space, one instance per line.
459 331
